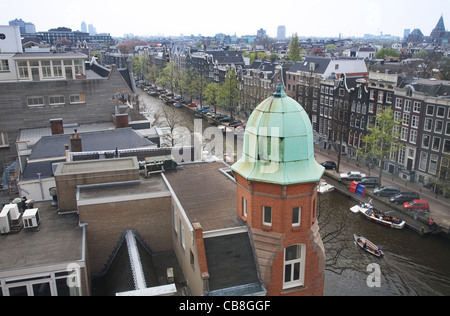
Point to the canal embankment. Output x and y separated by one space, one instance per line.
415 221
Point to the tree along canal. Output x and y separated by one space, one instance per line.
412 265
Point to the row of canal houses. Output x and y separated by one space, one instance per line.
341 98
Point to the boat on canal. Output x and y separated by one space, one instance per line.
324 187
368 246
378 216
360 208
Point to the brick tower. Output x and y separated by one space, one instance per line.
277 180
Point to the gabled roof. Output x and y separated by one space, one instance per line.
227 57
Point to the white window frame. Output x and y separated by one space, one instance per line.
298 222
4 65
423 161
81 98
61 100
290 280
266 212
413 136
4 140
244 206
37 100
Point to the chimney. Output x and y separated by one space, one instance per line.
122 121
75 143
57 126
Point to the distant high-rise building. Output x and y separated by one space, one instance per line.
83 27
281 32
261 32
92 29
406 33
25 27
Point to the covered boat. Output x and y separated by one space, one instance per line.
368 246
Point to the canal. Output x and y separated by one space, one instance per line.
412 265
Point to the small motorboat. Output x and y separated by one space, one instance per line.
360 208
324 187
368 246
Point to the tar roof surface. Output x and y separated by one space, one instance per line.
207 195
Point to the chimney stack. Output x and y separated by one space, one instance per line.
75 143
122 121
57 126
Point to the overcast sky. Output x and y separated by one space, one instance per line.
240 17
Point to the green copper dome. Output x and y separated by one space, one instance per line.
278 144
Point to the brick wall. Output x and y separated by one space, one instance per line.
151 218
66 185
282 200
16 114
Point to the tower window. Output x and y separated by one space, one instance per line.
296 215
244 207
294 266
267 215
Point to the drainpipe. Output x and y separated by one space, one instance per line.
40 185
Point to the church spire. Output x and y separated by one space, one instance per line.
439 29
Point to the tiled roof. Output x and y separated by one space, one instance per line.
319 67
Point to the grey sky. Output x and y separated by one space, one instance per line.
173 17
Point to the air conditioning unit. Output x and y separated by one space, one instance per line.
9 217
13 210
5 222
31 218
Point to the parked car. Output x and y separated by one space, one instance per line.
370 182
419 205
219 116
235 123
387 190
225 119
192 105
352 176
404 197
204 109
329 165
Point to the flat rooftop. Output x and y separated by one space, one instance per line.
101 165
152 187
58 240
206 194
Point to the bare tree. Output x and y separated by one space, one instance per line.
172 122
333 232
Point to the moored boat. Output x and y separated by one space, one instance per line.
368 246
360 208
382 218
324 187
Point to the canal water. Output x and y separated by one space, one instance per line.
412 265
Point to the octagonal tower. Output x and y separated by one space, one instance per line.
277 179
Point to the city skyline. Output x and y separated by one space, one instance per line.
325 19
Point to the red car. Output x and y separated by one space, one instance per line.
416 205
192 105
